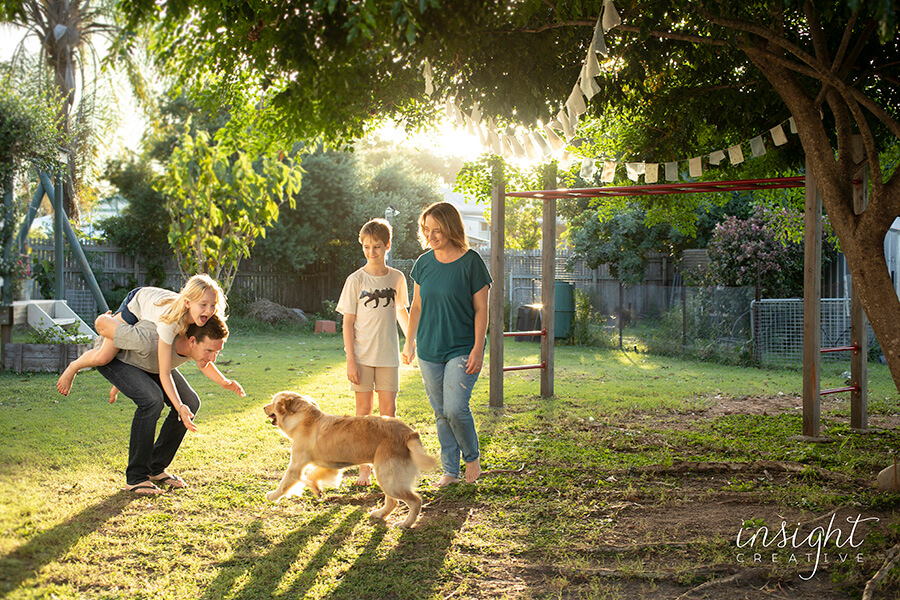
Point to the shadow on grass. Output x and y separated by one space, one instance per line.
258 568
412 569
27 560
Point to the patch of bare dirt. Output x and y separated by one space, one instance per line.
683 542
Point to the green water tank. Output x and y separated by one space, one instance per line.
564 313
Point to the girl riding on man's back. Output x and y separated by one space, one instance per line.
200 298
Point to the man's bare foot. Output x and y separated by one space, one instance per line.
64 383
365 475
473 470
144 488
113 394
446 480
170 480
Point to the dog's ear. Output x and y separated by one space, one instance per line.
311 401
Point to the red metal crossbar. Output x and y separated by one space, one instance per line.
542 333
543 365
854 348
852 388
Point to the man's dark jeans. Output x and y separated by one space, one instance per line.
146 458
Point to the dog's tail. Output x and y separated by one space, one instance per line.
422 460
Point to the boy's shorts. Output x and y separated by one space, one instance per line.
379 379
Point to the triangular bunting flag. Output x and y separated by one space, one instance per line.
591 64
757 146
634 170
651 172
553 139
587 168
716 157
541 144
735 155
778 135
671 171
575 103
792 125
563 119
428 74
609 172
695 166
611 16
598 44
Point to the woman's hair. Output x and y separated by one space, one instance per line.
450 222
377 229
192 291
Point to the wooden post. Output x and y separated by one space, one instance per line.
548 283
498 242
6 328
812 314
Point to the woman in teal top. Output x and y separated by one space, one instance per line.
447 326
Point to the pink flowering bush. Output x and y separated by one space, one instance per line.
744 252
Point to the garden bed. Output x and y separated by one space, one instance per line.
41 357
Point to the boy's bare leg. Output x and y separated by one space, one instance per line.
387 404
95 357
364 402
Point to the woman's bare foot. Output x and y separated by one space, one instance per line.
473 470
446 480
113 394
64 383
365 475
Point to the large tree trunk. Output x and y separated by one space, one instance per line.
836 173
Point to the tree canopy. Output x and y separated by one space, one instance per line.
693 76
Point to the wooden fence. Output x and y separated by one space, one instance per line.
257 279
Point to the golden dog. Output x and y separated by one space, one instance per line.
324 445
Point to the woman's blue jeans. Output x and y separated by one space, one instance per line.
449 389
147 458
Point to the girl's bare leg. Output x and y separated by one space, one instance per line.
96 357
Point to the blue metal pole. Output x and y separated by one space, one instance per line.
29 216
79 255
58 218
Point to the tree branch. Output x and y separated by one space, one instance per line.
815 31
556 25
672 35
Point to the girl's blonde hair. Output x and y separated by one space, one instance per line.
192 291
450 222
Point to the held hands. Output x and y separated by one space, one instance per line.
409 352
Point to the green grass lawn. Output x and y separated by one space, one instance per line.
589 495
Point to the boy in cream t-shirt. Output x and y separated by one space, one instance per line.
373 301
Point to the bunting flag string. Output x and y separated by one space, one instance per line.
553 138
